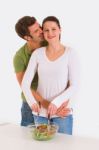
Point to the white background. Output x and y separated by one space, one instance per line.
80 30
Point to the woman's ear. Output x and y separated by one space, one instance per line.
60 30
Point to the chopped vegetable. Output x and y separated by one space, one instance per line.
44 132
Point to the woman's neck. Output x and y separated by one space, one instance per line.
53 48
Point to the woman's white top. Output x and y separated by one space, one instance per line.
53 77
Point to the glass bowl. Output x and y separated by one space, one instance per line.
43 132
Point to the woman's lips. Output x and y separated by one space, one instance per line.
51 37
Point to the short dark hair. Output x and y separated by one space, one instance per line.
51 18
21 27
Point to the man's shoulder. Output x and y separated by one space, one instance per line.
19 60
38 53
20 52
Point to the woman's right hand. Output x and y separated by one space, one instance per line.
36 108
52 109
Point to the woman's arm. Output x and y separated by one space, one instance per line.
73 75
27 79
40 99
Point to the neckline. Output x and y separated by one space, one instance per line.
57 59
27 50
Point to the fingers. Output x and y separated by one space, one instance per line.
52 109
36 108
64 105
64 112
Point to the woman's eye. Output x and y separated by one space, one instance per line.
53 29
45 30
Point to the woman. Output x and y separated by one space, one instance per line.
55 64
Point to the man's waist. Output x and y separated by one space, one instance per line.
23 97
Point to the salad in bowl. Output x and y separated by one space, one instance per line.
43 131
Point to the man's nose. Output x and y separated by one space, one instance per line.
41 31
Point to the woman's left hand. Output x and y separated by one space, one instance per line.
52 109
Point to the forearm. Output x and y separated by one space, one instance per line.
40 99
63 110
37 96
67 94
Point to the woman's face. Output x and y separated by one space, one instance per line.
51 31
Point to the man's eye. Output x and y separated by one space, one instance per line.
36 31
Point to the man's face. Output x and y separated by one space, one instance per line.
36 32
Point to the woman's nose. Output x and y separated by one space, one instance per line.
50 33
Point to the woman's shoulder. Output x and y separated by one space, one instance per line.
70 49
71 52
38 53
39 50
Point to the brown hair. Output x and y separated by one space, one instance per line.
21 27
54 19
51 18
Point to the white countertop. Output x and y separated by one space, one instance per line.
14 137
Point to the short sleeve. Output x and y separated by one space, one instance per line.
18 63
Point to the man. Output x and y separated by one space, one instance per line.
29 29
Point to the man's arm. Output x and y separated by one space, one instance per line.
19 67
37 96
19 77
62 110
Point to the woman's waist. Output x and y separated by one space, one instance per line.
49 94
43 113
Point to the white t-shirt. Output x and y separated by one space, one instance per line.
53 77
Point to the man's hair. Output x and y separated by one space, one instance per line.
51 18
21 27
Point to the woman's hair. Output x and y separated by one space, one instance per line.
54 19
51 18
21 27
